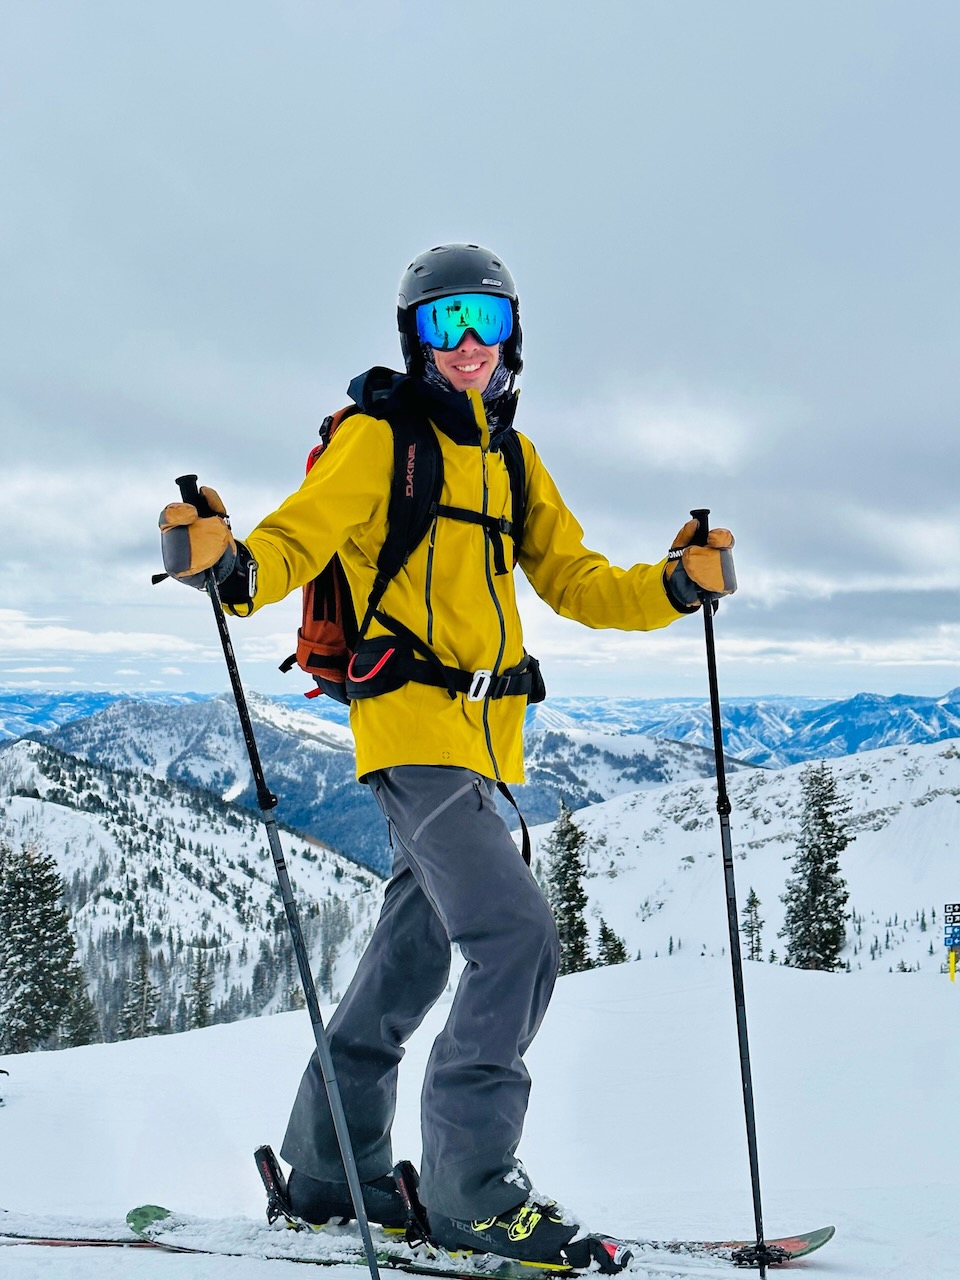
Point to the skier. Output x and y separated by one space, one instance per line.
433 756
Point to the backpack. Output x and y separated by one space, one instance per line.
332 646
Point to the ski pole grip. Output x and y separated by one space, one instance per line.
702 517
188 490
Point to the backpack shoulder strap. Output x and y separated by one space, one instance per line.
512 451
414 496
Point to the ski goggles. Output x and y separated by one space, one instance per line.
443 322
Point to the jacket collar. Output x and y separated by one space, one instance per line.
461 415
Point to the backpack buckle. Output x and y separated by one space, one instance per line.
479 685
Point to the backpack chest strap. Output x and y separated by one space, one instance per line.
495 526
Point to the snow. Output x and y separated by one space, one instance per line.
655 874
635 1122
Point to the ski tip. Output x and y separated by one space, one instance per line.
140 1220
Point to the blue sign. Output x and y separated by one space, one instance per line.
951 936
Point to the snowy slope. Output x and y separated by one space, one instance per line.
153 859
635 1123
656 874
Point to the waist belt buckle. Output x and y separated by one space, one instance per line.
479 685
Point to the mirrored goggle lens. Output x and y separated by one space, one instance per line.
443 322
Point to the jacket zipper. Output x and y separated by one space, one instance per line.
429 581
496 602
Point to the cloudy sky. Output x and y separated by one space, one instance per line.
735 231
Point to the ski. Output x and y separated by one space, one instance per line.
740 1252
609 1255
159 1229
75 1242
329 1247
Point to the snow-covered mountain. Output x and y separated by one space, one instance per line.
655 871
583 765
773 731
776 731
153 862
24 711
308 761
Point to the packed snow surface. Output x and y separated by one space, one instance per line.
636 1121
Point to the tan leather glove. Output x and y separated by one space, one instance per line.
192 543
694 570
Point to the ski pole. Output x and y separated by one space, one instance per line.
267 802
758 1255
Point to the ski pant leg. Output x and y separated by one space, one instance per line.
476 1086
402 972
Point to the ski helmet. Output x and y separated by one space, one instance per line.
454 268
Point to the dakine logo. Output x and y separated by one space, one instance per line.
411 459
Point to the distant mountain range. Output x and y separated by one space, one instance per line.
771 732
308 761
774 732
23 711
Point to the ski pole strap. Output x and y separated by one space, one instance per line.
525 834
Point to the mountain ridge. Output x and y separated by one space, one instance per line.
770 731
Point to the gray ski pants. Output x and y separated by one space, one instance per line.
457 877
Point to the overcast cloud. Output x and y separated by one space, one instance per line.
733 226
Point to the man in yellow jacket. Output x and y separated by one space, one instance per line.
433 750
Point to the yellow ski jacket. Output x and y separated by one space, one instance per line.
447 593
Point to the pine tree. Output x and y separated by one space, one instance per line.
42 990
752 927
612 949
80 1024
198 993
139 1012
564 875
816 894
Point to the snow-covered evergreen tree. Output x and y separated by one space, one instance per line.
42 990
816 895
139 1013
752 927
198 994
80 1024
612 949
564 888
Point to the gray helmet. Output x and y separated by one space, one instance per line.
454 268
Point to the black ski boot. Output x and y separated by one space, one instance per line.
320 1203
328 1203
532 1232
